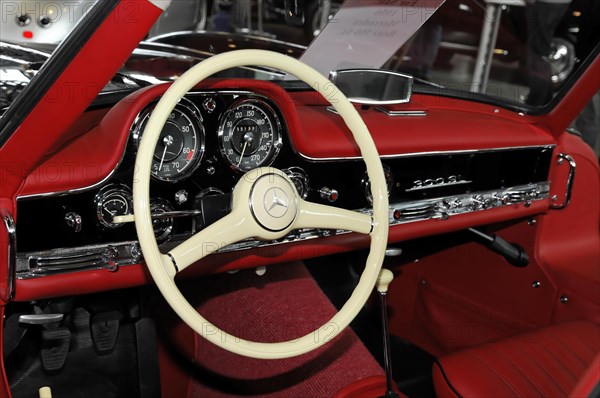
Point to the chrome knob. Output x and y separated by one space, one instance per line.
329 194
74 221
478 202
181 196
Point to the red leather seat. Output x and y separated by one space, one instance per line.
548 362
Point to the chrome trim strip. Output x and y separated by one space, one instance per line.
107 256
199 32
195 53
40 319
429 153
11 231
445 207
397 113
561 157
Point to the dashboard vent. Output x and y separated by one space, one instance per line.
75 260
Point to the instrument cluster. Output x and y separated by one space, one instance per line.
208 142
247 129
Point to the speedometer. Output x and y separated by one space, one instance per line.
180 146
250 134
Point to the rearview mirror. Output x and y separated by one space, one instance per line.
373 86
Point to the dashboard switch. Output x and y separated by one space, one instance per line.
478 202
209 105
74 221
329 194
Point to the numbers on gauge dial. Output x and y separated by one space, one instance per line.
249 135
180 145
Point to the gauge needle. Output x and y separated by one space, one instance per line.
162 159
167 142
248 138
242 155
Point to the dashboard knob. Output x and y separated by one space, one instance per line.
478 202
181 196
329 194
74 221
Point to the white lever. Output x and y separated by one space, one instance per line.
384 279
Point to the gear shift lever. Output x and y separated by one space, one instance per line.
383 281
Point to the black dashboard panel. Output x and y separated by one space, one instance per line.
74 231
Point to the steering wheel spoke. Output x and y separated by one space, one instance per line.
314 215
230 229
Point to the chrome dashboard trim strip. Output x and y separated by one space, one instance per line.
11 231
441 208
428 153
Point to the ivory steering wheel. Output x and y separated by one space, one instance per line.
265 206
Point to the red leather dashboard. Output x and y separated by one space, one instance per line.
316 132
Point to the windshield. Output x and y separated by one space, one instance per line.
519 55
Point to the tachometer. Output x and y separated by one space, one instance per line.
250 134
180 146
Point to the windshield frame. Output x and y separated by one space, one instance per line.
66 51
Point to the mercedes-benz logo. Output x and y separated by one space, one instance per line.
276 202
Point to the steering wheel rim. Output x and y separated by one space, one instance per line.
164 267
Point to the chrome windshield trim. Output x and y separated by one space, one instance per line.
194 54
428 153
18 47
258 38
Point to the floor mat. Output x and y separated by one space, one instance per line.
283 304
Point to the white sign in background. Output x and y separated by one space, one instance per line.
366 33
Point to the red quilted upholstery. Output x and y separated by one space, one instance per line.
544 363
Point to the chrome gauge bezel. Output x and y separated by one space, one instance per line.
106 193
189 110
272 116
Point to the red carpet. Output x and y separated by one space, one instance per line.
283 304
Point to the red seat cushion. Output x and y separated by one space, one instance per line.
544 363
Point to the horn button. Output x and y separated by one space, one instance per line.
273 202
